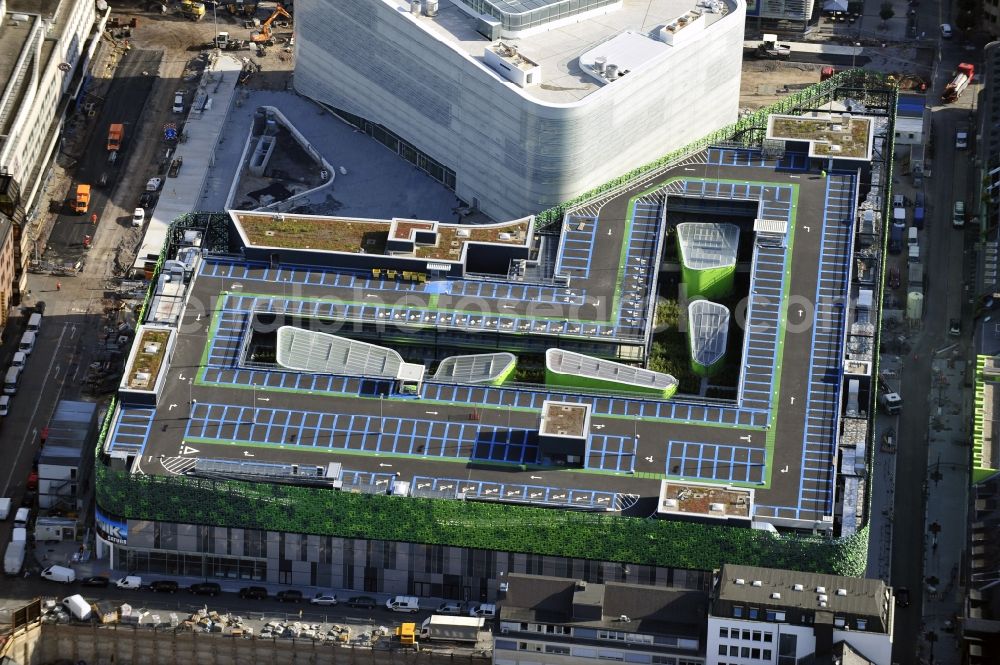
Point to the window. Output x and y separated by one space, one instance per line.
722 649
754 613
767 654
552 648
755 653
734 651
779 616
745 652
746 635
664 660
723 632
771 614
839 622
738 612
756 636
862 624
768 637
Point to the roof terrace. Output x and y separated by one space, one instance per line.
836 135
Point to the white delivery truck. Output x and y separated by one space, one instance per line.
59 574
403 604
13 558
78 607
21 517
451 628
4 508
129 582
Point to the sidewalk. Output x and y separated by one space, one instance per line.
947 488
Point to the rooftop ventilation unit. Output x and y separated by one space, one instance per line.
821 589
740 581
798 587
822 599
776 596
841 592
757 583
430 7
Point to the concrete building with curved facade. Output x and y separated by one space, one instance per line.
517 105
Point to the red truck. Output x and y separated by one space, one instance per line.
963 76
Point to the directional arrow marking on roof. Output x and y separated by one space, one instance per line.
188 450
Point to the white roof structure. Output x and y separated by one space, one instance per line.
708 327
478 368
706 245
561 361
323 353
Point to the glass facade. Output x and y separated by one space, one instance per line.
518 15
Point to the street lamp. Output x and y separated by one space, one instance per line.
854 53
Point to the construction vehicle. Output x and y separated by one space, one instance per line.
407 634
116 133
963 76
193 10
826 73
82 201
225 43
263 36
244 9
770 49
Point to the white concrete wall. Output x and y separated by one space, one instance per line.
513 153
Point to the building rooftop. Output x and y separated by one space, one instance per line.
784 589
561 361
370 236
476 368
703 500
556 50
708 245
565 419
836 135
558 600
708 330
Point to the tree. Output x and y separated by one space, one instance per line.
886 11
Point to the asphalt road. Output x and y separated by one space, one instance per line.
124 102
945 260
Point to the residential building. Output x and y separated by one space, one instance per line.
765 615
555 620
6 269
980 621
47 50
520 110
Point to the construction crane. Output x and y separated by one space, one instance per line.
264 35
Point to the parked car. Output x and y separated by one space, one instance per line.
147 200
955 328
889 440
253 592
450 607
138 217
153 184
902 596
483 610
206 589
946 30
163 586
323 599
289 596
366 602
95 580
894 277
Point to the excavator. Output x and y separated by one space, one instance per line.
263 36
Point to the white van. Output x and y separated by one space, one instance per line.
34 323
4 508
19 359
11 380
129 582
59 574
911 236
21 517
4 405
913 254
403 604
19 535
484 611
179 101
27 344
77 606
